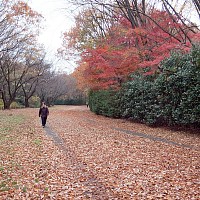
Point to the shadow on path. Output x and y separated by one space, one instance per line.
150 137
158 139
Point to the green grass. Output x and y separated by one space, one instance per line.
4 187
24 189
37 142
8 123
1 168
10 119
13 105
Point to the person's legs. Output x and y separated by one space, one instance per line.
43 121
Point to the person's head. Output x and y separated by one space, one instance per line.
43 104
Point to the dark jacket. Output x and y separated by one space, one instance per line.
43 112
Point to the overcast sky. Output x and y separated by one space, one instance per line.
57 18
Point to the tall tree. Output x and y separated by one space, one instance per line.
17 40
127 49
139 11
37 68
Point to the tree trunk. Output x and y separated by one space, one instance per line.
26 103
6 101
6 105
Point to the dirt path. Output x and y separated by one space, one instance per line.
80 155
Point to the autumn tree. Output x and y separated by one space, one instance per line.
141 35
197 6
18 41
79 74
137 11
91 27
16 18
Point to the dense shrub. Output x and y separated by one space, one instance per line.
34 102
172 97
104 102
13 105
138 100
181 94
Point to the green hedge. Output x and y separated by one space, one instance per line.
104 102
171 96
70 102
138 100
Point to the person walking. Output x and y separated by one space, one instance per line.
43 113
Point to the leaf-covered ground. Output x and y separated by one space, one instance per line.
80 155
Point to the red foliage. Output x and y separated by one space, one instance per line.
127 49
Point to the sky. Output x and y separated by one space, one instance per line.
57 19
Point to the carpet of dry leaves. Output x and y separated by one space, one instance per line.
91 157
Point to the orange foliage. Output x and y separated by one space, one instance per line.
20 8
79 74
127 49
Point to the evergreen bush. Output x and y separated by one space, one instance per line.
104 102
172 97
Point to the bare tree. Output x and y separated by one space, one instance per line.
12 75
37 69
197 6
16 17
51 87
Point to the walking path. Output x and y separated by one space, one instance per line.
58 140
114 161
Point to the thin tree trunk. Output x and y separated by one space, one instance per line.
26 102
6 104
